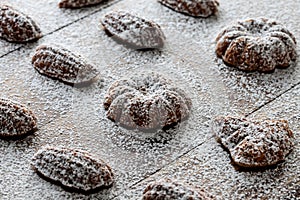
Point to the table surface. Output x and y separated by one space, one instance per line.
75 117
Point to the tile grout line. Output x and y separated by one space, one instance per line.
66 25
156 171
260 107
17 49
90 14
187 152
86 16
172 161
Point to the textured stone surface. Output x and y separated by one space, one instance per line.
48 16
75 118
210 169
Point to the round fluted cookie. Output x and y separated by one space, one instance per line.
257 45
146 101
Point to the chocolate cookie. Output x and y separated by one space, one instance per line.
257 45
146 101
254 143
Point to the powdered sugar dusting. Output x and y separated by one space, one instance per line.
196 8
77 3
60 63
15 26
257 44
146 101
168 189
254 143
85 126
133 31
15 119
72 168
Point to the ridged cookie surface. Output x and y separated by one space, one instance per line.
15 119
77 3
254 143
59 63
195 8
16 26
74 169
147 102
257 44
171 190
133 31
